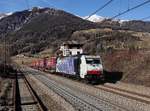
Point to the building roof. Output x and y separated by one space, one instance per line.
72 43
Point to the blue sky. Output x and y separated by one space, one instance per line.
81 7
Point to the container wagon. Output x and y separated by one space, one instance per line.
51 64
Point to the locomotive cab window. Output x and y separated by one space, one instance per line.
92 61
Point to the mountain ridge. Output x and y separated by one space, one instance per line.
33 30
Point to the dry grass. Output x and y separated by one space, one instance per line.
122 51
135 66
23 60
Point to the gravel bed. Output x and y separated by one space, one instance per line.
89 101
26 97
130 104
100 104
52 101
131 87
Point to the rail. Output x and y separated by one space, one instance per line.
129 94
17 96
77 99
35 95
17 100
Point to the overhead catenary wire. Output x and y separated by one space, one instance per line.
28 6
120 4
99 9
128 10
47 2
128 4
145 18
102 7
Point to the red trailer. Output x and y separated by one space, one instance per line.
51 64
33 64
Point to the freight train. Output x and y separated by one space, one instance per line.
81 66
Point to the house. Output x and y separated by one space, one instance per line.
71 48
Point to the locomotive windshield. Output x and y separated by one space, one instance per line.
92 61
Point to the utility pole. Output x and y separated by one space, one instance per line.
5 54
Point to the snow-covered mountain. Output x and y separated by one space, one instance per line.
2 15
97 18
94 18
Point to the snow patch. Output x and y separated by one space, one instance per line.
97 18
38 7
94 18
2 15
10 13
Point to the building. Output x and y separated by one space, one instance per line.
71 48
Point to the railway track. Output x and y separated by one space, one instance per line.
129 102
126 93
86 97
130 94
26 98
80 100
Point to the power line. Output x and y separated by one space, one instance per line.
100 8
47 2
130 9
127 11
120 4
145 18
128 4
28 6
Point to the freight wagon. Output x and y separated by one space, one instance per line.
51 64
